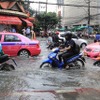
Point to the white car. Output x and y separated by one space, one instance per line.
60 32
81 42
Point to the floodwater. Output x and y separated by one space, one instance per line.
29 82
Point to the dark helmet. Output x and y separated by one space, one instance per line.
68 35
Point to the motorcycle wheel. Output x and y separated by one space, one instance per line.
83 59
7 67
79 63
46 65
97 64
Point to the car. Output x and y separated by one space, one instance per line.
92 50
96 37
60 32
81 42
15 44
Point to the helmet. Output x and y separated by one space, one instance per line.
57 32
68 35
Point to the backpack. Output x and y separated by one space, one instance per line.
77 48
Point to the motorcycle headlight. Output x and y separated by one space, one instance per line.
50 56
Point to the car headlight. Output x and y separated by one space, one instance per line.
97 50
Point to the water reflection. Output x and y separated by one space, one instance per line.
28 76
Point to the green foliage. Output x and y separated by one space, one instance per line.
48 20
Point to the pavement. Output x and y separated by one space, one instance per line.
79 94
68 93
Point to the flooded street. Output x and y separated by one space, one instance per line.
29 82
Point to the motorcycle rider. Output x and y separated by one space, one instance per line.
3 57
56 39
68 50
1 52
97 59
49 41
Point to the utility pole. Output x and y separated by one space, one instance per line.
39 8
46 5
88 2
88 12
26 2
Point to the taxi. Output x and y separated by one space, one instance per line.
15 44
92 50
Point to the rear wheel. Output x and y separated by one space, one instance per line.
46 65
23 53
79 64
12 67
7 67
97 64
83 45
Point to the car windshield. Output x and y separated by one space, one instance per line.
74 36
61 30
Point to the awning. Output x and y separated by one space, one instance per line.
10 20
27 22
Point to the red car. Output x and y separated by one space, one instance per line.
92 50
15 44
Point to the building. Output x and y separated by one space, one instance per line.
81 15
44 5
13 14
60 7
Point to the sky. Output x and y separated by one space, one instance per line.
50 8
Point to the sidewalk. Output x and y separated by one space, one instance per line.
63 94
79 94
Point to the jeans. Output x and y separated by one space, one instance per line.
64 56
4 58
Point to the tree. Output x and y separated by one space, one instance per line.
47 20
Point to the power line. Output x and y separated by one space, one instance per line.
61 4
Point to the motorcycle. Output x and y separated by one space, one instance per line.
96 63
54 45
52 61
6 66
3 59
